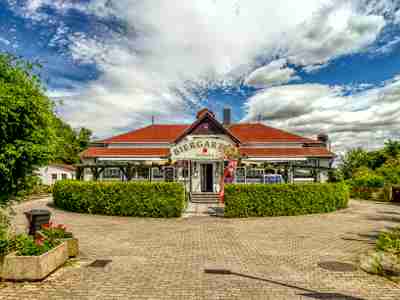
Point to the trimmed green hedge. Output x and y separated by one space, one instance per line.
140 199
259 200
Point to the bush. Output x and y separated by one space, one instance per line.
140 199
258 200
389 241
367 186
368 181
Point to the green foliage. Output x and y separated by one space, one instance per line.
25 245
69 142
390 170
55 232
369 181
352 160
258 200
334 175
25 124
389 241
141 199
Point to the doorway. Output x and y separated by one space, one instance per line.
207 180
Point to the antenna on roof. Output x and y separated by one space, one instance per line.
259 118
152 120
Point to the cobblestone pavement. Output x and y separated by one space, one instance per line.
273 258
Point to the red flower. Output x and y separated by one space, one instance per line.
61 226
46 226
39 241
205 150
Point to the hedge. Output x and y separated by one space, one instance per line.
370 193
140 199
259 200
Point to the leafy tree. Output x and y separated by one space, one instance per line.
69 142
391 170
376 159
391 149
353 160
26 117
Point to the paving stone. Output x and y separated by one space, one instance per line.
272 258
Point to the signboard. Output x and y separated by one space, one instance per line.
200 149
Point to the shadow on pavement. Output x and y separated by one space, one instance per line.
309 293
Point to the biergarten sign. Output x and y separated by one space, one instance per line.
200 149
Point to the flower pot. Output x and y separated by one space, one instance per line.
72 245
33 268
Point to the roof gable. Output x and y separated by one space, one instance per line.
207 124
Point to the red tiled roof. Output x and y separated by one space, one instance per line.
153 133
260 133
287 152
122 152
245 132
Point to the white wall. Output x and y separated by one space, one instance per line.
46 174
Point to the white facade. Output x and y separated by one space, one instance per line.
51 173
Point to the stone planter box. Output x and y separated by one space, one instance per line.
72 246
33 268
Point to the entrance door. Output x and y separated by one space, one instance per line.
207 178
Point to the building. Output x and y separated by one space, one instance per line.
196 154
53 172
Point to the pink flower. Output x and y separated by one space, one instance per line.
39 241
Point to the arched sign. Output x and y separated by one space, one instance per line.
200 149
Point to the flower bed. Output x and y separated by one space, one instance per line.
258 200
35 267
26 258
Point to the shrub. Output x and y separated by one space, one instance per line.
141 199
389 241
257 200
368 181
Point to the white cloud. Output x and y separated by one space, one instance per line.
275 73
336 29
172 47
5 41
363 118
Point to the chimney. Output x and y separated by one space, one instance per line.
323 138
226 116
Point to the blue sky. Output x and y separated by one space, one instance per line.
310 67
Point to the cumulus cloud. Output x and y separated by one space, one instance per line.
336 29
171 51
367 117
275 73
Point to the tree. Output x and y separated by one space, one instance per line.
391 149
391 170
26 116
69 142
353 160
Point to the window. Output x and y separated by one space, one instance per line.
54 176
255 173
112 173
64 176
143 172
157 173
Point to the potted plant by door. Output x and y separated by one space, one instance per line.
59 232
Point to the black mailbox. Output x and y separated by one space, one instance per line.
37 218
